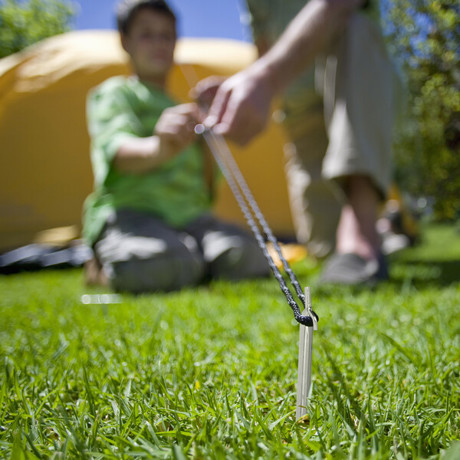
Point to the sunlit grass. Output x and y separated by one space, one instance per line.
211 372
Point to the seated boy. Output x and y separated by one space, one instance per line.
148 219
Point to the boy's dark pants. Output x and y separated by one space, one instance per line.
140 253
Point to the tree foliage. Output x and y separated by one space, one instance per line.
425 37
23 23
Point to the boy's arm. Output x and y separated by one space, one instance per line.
173 133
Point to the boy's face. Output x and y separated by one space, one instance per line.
150 43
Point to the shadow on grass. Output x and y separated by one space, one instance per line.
404 273
434 262
441 273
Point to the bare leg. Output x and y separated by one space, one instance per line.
357 232
357 259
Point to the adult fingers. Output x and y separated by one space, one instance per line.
219 104
205 90
241 122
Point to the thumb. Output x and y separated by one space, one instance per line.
218 108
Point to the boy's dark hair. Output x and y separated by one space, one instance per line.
127 9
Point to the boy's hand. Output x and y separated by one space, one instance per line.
175 129
173 132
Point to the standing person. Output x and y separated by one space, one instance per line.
331 66
148 219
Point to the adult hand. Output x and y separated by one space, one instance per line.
241 106
205 91
175 129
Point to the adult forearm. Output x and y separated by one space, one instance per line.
309 34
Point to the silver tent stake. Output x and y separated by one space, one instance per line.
305 357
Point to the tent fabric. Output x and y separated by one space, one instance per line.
45 172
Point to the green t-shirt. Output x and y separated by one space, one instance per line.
175 191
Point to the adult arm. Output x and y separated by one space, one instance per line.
241 106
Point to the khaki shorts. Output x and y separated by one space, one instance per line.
340 125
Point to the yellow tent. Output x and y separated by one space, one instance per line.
45 171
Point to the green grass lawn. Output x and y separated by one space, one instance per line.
211 372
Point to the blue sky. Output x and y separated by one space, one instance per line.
197 18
